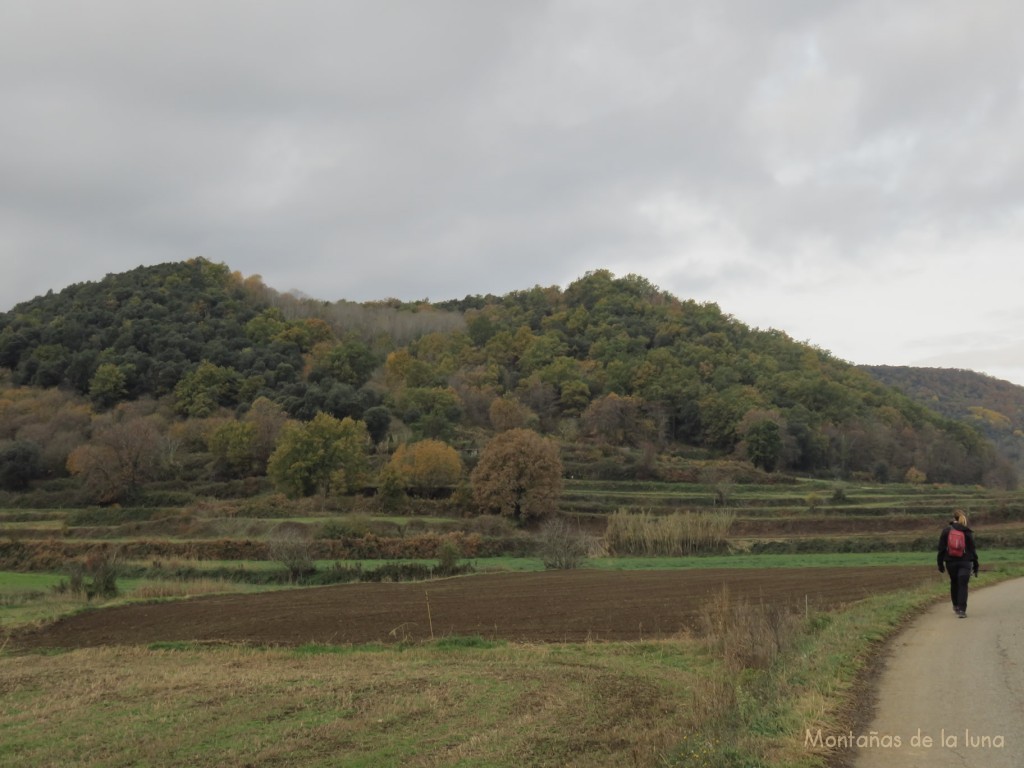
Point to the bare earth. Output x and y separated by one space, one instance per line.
553 606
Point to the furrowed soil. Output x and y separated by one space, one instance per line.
551 606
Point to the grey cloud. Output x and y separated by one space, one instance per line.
744 151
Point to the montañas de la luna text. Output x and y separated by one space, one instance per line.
876 740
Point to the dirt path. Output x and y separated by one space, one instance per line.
952 690
554 606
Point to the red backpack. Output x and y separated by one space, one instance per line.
956 543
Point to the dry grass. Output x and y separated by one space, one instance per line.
675 535
601 705
176 588
748 634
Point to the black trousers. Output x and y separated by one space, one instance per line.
959 574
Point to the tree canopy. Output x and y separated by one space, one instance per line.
519 475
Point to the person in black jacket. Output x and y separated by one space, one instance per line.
958 566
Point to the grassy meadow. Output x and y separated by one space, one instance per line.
713 698
741 691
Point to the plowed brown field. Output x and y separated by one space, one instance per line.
553 606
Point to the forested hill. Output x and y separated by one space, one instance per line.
994 406
612 362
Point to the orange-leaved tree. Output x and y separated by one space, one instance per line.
519 474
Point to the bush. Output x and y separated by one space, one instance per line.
289 545
562 546
448 554
101 568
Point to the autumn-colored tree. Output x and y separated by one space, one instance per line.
267 419
519 474
401 369
428 465
618 420
319 456
508 413
915 476
55 420
123 453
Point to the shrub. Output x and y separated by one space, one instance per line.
289 545
915 476
448 554
101 568
562 546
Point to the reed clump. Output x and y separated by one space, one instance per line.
676 535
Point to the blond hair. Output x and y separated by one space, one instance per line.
960 517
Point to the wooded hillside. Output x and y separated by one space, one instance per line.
993 406
631 380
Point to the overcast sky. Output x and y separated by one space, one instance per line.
851 173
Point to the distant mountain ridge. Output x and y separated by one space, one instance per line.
994 406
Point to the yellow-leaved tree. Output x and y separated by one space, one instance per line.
426 466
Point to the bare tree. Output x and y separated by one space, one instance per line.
123 453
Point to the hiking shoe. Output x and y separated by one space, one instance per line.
961 614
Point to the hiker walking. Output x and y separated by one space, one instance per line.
958 557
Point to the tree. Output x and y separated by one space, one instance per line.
20 463
108 386
232 447
618 420
267 419
764 444
208 387
428 465
378 422
349 361
319 456
123 453
519 474
429 411
508 413
721 412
